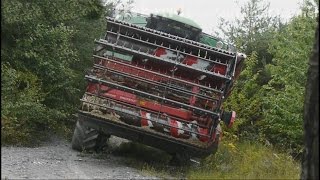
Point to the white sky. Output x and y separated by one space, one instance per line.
207 12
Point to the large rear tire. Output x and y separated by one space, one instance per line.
88 139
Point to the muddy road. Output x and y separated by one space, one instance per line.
56 160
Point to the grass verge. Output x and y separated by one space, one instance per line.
246 160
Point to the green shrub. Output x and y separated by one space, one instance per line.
42 64
23 117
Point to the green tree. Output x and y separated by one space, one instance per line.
253 30
269 98
39 57
284 93
252 33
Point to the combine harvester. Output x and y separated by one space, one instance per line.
160 81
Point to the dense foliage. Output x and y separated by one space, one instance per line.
269 95
42 62
283 102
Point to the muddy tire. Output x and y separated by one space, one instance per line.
88 139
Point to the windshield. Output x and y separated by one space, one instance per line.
174 28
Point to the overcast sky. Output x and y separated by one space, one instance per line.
207 12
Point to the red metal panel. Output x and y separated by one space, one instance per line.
160 51
144 121
204 132
173 128
218 68
193 99
233 118
132 99
181 113
189 60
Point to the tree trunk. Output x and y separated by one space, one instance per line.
310 161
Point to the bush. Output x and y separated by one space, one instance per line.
23 116
41 64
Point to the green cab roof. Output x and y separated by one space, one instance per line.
179 18
137 19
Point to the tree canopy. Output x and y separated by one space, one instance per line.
269 95
42 61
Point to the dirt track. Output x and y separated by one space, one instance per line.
56 160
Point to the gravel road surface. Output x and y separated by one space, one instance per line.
56 160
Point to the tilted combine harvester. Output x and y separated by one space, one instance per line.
158 80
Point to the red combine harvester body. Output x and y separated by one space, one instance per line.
161 84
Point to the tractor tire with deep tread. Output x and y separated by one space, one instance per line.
88 139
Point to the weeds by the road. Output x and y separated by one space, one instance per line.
242 160
246 160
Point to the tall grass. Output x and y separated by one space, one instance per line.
246 160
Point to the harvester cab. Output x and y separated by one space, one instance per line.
174 25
